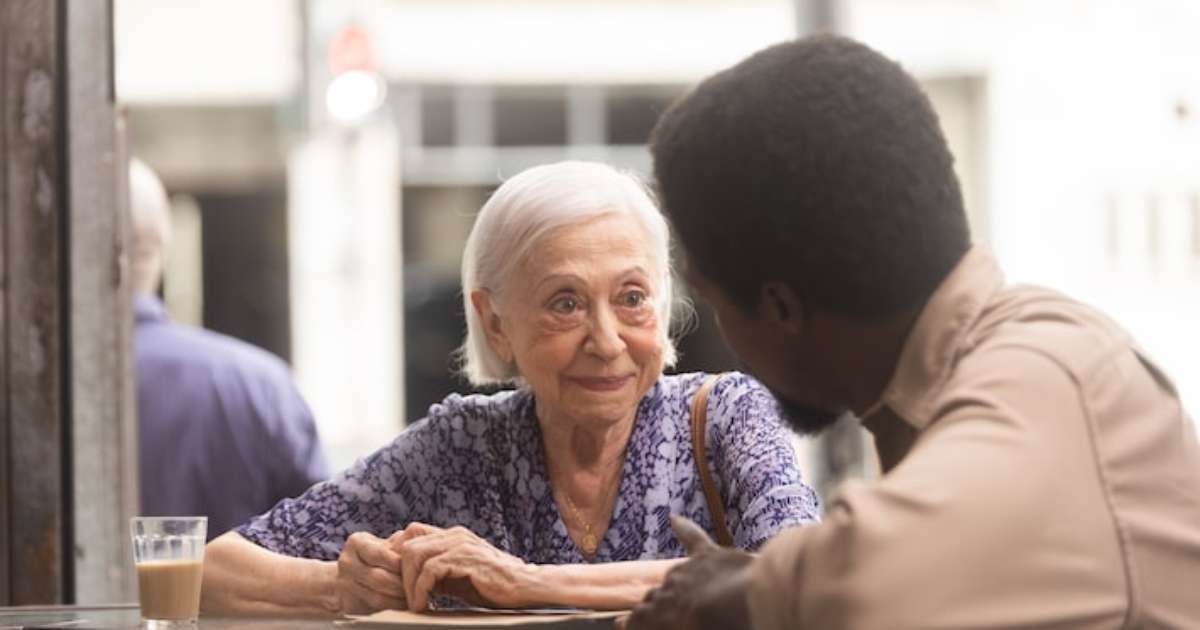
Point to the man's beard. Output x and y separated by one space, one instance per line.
804 419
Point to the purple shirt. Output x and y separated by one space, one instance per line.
224 432
477 461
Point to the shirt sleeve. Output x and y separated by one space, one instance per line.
993 519
758 473
299 462
380 494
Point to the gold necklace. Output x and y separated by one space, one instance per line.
590 543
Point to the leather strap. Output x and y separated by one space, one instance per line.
716 507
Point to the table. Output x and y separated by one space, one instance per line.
127 617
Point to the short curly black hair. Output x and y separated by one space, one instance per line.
819 163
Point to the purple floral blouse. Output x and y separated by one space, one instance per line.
477 461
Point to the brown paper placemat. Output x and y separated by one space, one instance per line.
480 619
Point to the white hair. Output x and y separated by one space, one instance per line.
525 208
150 222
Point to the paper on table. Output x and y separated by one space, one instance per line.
476 619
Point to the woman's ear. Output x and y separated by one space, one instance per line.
493 326
782 306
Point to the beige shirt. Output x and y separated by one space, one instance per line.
1054 483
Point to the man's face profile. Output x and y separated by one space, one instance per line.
762 355
803 419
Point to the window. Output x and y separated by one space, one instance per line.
437 116
530 116
633 111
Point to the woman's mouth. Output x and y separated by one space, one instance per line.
602 383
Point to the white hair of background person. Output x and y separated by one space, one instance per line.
150 227
523 210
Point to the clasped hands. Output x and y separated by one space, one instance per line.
407 568
706 593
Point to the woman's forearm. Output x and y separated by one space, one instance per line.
610 586
241 578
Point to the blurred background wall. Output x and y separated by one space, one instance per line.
328 156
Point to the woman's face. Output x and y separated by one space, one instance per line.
579 320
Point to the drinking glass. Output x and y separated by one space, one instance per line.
168 552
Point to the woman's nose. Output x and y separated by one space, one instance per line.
604 339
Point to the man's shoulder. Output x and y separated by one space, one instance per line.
1043 323
1032 349
181 344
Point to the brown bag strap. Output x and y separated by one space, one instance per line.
716 507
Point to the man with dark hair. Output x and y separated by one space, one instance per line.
1039 469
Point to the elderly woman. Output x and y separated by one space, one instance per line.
558 492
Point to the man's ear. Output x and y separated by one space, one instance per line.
493 326
782 306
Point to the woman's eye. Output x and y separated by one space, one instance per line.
565 305
633 299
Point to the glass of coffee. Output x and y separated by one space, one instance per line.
168 552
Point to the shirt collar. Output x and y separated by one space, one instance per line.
147 308
939 335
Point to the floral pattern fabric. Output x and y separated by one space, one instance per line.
477 461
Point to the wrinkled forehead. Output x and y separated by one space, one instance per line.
607 245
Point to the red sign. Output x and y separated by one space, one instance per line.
350 49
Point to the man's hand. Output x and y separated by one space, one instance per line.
708 592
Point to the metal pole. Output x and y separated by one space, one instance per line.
816 16
33 207
103 438
67 462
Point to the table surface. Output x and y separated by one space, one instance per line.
127 617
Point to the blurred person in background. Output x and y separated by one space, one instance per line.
223 431
560 491
1039 468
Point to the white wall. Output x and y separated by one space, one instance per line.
1078 115
556 42
206 51
346 287
1081 123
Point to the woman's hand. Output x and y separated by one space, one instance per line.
457 562
368 575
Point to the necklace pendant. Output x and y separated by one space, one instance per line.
590 544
